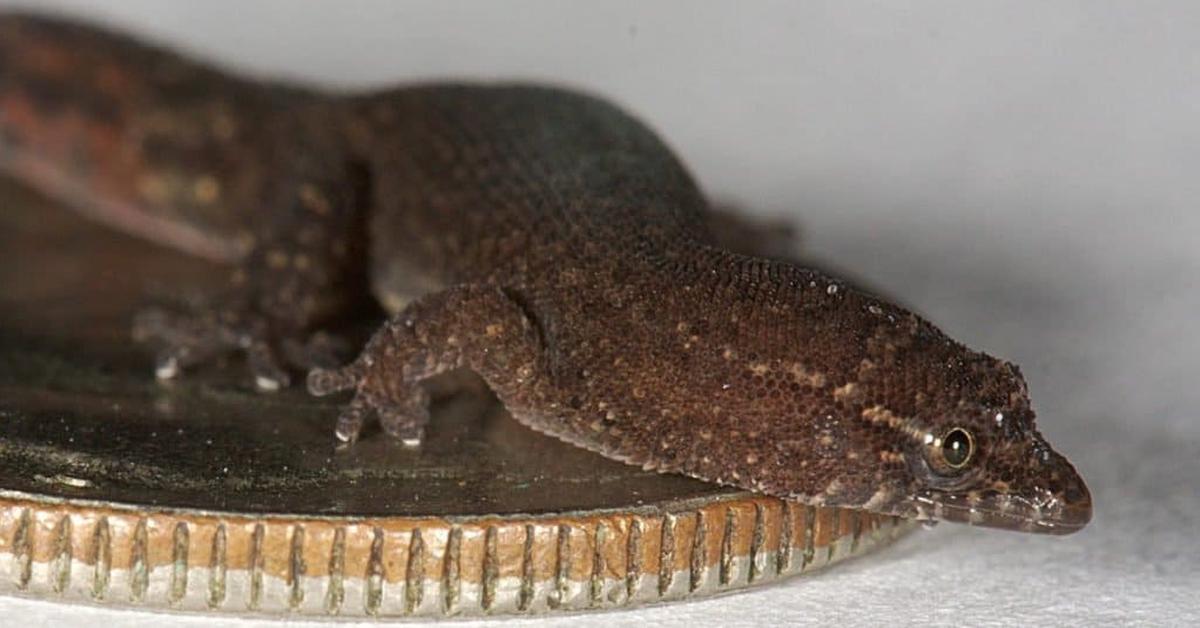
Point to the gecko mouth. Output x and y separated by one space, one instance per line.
1062 508
1048 514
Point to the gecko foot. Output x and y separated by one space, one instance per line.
402 410
185 341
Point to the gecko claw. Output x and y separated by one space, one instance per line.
268 376
166 367
350 422
322 382
405 419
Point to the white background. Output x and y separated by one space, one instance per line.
1025 173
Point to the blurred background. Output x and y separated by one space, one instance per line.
1024 173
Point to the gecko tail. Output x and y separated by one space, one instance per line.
128 134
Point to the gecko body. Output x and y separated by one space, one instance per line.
543 238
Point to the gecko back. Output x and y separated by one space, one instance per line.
132 135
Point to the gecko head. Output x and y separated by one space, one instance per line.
942 432
976 457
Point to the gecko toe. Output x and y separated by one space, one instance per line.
350 421
322 382
412 438
166 366
402 412
181 345
186 340
405 419
172 361
268 376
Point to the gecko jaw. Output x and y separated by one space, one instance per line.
1038 510
1049 518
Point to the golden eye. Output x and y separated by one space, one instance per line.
957 448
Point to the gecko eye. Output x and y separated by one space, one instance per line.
957 448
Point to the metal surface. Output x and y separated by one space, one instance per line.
205 495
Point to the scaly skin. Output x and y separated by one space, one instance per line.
544 239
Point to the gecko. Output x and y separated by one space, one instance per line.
541 237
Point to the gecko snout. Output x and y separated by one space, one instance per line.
1075 505
1055 500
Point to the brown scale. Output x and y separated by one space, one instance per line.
543 238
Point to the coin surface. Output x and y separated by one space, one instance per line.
204 495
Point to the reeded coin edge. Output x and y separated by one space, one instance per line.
215 562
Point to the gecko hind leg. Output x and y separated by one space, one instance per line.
306 271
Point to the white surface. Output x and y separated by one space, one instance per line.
1025 173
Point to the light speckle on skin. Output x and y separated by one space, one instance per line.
206 190
846 392
154 188
880 414
804 376
314 200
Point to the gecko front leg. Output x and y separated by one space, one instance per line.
481 327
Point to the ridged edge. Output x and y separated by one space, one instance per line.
418 567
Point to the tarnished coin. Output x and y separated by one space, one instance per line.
205 495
